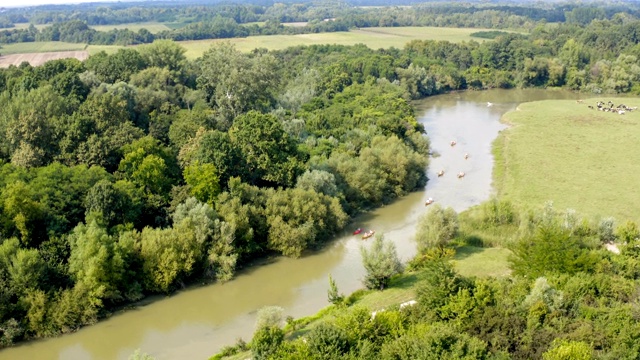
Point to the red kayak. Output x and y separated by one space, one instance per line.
358 231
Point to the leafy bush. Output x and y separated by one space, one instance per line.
328 341
381 262
266 341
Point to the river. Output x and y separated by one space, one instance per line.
195 323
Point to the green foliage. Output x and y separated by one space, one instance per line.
333 294
139 355
435 342
437 228
488 34
381 263
440 282
299 219
269 317
96 261
236 83
550 250
328 341
203 181
628 232
268 151
569 350
497 212
266 342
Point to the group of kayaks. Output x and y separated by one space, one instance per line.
366 235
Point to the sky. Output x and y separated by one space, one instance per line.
15 3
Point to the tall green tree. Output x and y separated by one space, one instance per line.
437 228
269 152
381 263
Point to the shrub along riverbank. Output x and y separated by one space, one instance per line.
566 297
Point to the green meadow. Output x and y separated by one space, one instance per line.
577 157
38 47
374 38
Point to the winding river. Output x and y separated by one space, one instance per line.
197 322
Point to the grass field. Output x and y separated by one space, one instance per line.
482 262
153 27
37 47
372 37
577 157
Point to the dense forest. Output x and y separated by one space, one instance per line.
137 172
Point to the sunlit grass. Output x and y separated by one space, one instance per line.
37 47
374 38
579 158
482 262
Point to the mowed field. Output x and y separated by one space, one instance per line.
577 157
36 59
37 53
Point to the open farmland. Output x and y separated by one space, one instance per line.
37 47
153 27
575 156
36 59
383 37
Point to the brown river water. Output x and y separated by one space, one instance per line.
196 322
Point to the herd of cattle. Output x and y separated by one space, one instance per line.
610 107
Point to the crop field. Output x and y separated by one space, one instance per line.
153 27
575 156
36 59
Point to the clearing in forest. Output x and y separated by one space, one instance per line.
572 154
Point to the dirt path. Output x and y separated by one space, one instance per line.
36 59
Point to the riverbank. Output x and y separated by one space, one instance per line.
468 261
